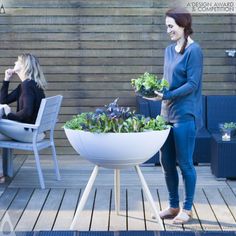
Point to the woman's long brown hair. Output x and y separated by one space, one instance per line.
183 19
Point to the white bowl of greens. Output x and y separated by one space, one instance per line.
115 137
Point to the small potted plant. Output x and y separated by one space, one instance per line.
228 130
116 137
146 85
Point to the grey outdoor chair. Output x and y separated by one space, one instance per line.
46 121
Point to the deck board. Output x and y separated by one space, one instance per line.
135 210
67 209
31 208
230 200
221 210
119 222
150 222
100 217
207 218
85 218
18 205
49 211
6 200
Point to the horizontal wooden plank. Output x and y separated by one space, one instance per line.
67 102
129 68
76 110
109 69
111 20
219 78
204 36
113 77
219 69
151 44
214 53
40 36
39 45
92 94
219 92
220 86
115 61
85 11
90 86
151 28
81 3
84 53
44 28
120 70
41 29
145 44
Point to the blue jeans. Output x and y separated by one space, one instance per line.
179 147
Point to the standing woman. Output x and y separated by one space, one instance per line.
28 95
181 107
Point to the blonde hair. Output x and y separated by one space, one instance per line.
32 70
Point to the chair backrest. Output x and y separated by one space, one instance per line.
48 112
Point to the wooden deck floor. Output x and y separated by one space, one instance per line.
30 208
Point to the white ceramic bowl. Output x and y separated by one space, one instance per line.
117 150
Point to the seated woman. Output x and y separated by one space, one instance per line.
28 96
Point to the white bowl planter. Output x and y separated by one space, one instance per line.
117 150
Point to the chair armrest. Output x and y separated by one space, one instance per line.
24 125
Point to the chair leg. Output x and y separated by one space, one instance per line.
54 156
7 161
40 174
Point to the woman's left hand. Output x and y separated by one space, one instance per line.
157 98
159 94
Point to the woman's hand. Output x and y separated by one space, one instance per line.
152 98
157 98
159 94
8 74
6 108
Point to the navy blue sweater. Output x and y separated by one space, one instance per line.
28 96
183 100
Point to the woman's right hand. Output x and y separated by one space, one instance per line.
8 74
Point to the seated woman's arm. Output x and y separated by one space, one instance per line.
25 113
7 98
